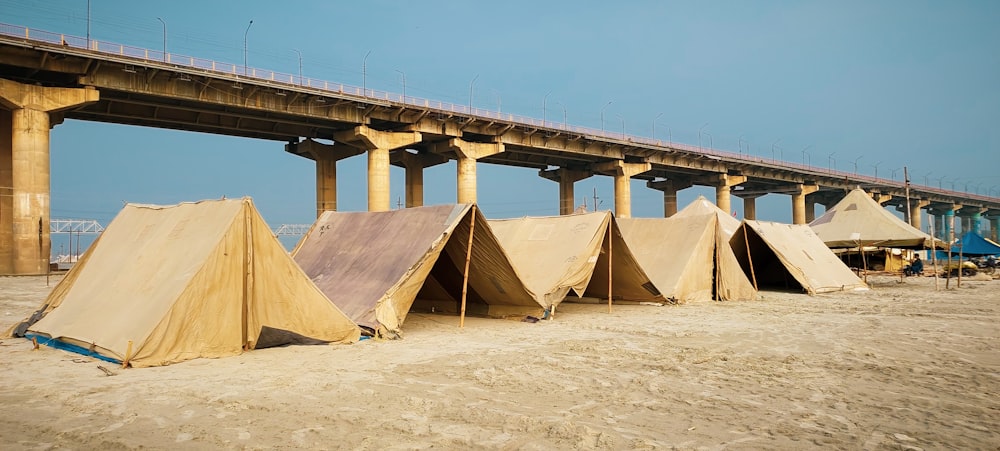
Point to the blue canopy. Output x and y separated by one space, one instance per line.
974 244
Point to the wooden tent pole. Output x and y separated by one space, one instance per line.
610 239
465 274
746 239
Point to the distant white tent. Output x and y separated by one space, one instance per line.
687 257
787 256
702 206
164 284
858 220
558 254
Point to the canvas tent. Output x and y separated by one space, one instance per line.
561 253
973 244
787 256
701 206
857 218
163 284
688 257
376 265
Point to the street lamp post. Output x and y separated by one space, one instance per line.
602 113
544 98
739 145
564 112
830 160
773 145
925 178
856 164
699 133
297 52
653 132
472 86
245 47
893 176
164 39
623 124
711 141
403 76
806 156
364 75
876 168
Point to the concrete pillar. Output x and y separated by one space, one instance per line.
938 225
414 165
566 178
949 225
326 157
976 218
915 206
6 195
623 173
750 207
799 202
966 224
467 152
723 190
995 228
378 144
28 156
670 188
810 210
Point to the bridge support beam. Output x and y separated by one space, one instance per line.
623 173
799 203
994 227
414 165
750 207
938 226
915 217
378 144
723 190
566 177
670 188
326 157
25 169
467 152
880 198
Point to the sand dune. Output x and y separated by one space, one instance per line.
900 367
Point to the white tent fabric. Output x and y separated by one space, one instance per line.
557 254
857 218
702 206
688 257
785 256
376 265
163 284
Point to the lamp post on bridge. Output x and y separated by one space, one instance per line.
830 161
876 168
653 129
245 47
739 145
893 177
711 141
623 124
602 113
297 52
364 75
403 75
544 98
564 113
806 156
775 143
856 164
926 183
472 86
700 132
164 39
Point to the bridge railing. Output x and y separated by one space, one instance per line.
293 81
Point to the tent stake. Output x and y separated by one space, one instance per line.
465 275
746 239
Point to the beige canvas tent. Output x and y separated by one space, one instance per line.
702 206
859 219
786 256
561 253
688 257
164 284
377 265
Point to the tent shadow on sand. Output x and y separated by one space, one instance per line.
164 284
376 266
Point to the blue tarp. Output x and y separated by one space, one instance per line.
973 244
52 342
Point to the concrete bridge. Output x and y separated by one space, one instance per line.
48 77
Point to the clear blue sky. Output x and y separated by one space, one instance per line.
886 83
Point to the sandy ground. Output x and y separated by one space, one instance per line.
900 367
